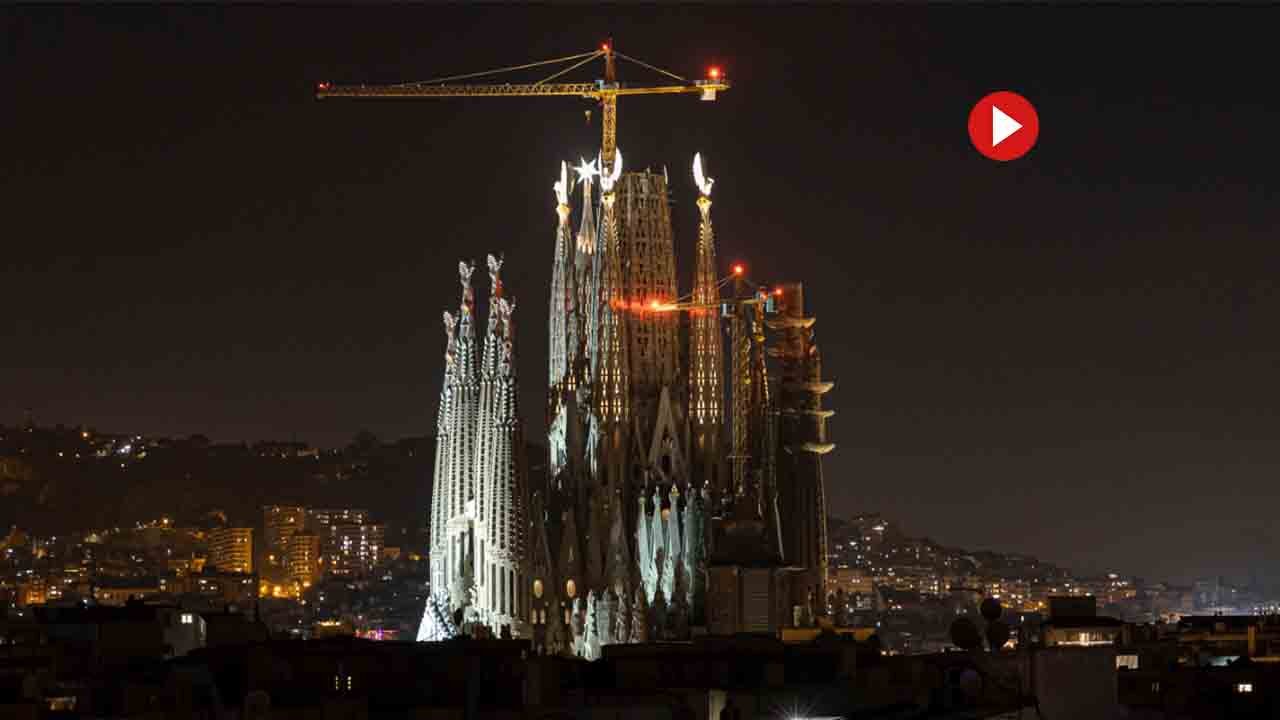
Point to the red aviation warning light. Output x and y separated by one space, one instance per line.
738 269
713 82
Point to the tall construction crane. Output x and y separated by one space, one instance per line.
606 91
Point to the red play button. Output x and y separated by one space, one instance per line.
1003 126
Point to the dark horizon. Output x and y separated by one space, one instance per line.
1069 355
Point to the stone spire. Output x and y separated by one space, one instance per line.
465 346
564 301
502 562
706 352
613 375
464 391
588 265
441 502
462 476
610 423
484 429
453 487
565 347
479 513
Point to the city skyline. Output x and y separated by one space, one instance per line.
296 450
1026 354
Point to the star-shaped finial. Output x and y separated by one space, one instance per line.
586 170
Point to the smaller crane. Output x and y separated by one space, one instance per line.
606 90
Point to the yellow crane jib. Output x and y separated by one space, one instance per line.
606 90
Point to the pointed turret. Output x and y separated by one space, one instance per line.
613 377
564 301
486 409
706 351
441 500
455 468
502 512
466 407
479 514
455 472
588 266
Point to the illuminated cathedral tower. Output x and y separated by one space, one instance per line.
706 352
479 509
654 519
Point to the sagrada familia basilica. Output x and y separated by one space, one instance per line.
684 491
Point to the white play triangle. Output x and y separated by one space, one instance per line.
1002 126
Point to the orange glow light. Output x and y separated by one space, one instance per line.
777 291
605 47
654 304
714 73
738 269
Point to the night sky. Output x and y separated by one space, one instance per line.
1071 355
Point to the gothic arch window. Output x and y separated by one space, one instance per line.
537 589
570 588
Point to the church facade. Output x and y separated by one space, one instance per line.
677 500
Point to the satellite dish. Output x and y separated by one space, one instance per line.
965 634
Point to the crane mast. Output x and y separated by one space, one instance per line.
605 91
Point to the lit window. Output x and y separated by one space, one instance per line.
1126 662
188 618
1244 687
